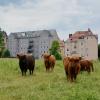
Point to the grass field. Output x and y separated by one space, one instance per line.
46 86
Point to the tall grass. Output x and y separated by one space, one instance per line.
46 86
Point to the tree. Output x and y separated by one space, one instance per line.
98 50
2 47
1 42
5 53
55 50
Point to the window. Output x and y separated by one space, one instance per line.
67 49
74 46
87 37
81 43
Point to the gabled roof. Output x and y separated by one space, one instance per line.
80 35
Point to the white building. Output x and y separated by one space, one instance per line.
36 42
82 43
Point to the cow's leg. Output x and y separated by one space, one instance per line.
67 75
92 67
72 78
46 68
68 78
25 71
75 76
52 67
88 69
30 71
22 72
33 69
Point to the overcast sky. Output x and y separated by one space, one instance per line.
66 16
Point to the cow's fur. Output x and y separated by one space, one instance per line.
86 65
26 61
49 61
66 62
72 67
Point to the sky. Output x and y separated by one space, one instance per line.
66 16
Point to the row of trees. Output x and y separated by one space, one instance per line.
3 51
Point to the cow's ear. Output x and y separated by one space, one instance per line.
49 55
18 56
80 58
68 58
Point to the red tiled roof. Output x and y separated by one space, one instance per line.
79 34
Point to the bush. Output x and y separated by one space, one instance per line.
55 50
6 53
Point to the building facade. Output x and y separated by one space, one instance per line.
82 43
62 48
36 42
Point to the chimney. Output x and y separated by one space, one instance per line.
89 30
70 35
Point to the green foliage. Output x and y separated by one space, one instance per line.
6 53
46 86
1 39
2 47
55 50
1 43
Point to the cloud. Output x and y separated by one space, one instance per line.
63 15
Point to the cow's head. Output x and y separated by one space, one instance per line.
46 56
21 57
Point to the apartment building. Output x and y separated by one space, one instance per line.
82 43
36 42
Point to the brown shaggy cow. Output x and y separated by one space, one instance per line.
66 62
49 61
26 61
72 67
86 65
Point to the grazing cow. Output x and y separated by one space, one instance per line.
26 61
65 62
86 65
72 67
49 61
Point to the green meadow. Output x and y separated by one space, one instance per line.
44 85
